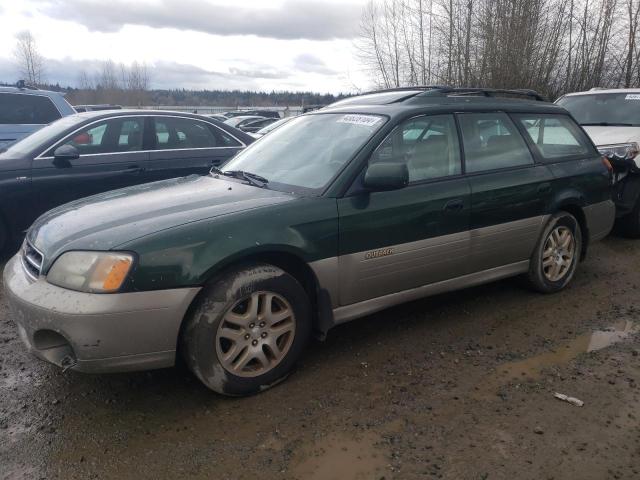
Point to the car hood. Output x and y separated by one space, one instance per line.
11 133
611 135
107 220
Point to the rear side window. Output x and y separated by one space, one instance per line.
555 136
178 133
18 108
491 141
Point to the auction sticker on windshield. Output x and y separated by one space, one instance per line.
366 120
632 96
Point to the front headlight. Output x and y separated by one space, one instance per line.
94 272
626 151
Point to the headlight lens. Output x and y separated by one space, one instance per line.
628 151
94 272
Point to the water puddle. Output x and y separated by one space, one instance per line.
337 457
532 368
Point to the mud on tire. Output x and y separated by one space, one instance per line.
240 314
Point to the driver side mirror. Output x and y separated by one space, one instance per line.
385 176
64 154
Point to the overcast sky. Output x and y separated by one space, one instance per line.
214 44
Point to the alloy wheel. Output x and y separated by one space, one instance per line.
558 254
255 334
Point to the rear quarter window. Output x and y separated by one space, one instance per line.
27 109
555 136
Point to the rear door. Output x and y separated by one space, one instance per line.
396 240
185 146
111 157
510 193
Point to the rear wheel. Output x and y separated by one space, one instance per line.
557 254
247 330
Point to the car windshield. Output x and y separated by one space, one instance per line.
37 138
307 152
616 109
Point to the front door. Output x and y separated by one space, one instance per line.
111 157
510 194
186 146
396 240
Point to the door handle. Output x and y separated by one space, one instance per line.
454 205
134 169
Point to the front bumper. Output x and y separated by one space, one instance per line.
96 332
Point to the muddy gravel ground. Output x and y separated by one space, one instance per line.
458 386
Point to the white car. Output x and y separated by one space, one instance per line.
612 119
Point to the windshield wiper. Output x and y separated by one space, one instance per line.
253 178
607 124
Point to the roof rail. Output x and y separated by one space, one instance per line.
487 92
22 85
444 90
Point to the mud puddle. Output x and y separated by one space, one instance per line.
339 457
532 368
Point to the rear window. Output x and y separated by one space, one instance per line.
555 136
18 108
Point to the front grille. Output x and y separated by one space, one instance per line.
31 260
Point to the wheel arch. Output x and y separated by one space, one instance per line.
289 261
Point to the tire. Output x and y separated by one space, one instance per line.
630 223
552 267
247 330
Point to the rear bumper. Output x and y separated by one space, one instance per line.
96 332
600 219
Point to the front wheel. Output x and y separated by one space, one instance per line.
557 254
247 330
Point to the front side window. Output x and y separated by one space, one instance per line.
428 145
174 133
108 136
555 136
18 108
308 151
491 141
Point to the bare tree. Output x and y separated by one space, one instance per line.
30 61
549 45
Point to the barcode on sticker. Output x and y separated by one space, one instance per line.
632 96
366 120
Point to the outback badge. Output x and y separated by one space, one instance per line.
383 252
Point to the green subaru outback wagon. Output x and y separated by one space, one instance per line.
373 201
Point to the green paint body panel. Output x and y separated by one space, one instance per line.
380 219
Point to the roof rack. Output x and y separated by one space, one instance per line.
22 85
486 92
444 90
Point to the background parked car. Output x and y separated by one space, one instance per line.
25 109
612 120
93 152
259 113
239 121
255 125
269 128
96 108
217 116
